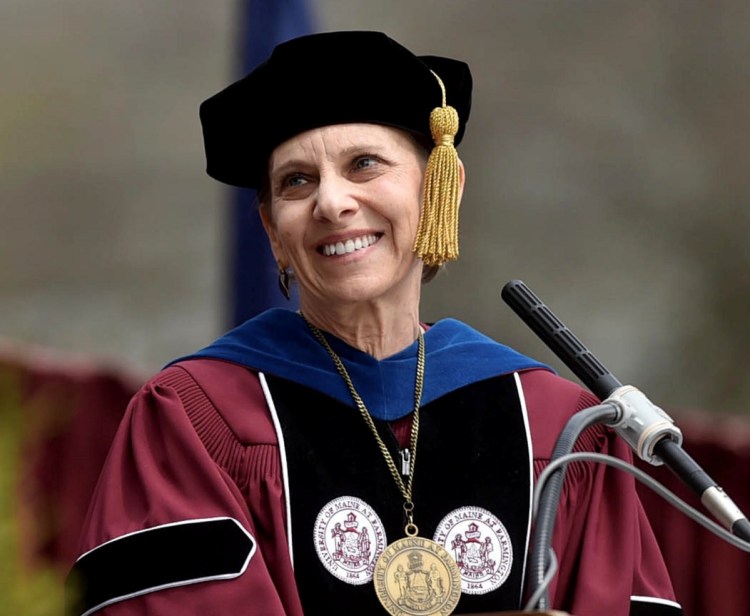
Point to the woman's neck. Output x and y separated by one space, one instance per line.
380 331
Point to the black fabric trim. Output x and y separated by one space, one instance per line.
155 558
651 608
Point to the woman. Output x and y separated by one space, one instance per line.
348 459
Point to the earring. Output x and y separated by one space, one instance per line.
284 282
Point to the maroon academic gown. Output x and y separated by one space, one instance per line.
198 443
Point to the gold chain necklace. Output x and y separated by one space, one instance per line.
414 572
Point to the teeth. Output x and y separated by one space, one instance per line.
351 245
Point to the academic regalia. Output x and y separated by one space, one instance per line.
243 480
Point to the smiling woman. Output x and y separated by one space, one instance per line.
349 458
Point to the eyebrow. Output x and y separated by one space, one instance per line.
294 163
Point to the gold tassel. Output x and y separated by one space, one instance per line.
437 236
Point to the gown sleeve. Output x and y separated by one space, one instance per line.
175 463
609 561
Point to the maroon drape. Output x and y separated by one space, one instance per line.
70 411
709 575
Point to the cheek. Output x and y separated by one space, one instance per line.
415 205
290 242
412 212
290 231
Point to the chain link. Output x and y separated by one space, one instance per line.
418 386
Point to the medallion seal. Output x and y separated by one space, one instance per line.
349 537
416 576
480 545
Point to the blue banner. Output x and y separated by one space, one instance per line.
253 275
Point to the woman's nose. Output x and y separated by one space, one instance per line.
334 199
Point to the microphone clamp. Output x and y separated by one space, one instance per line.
641 423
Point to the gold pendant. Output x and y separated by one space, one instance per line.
417 576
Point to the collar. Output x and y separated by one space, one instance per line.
278 342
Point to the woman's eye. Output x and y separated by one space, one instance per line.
294 180
295 185
365 162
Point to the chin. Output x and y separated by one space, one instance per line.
354 294
372 289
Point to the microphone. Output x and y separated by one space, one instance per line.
649 431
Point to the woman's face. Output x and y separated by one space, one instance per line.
344 209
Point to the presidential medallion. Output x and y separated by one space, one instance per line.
417 576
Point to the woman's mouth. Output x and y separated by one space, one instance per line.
351 245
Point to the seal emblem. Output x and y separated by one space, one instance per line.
417 577
349 537
480 545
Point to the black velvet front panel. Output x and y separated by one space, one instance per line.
472 452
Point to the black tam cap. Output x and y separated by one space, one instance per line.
324 79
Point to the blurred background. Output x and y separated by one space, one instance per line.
606 158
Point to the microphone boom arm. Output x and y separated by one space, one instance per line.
646 428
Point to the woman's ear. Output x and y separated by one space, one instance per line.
461 180
273 237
